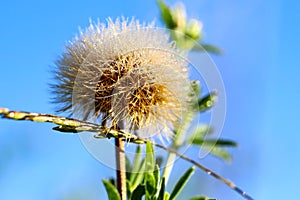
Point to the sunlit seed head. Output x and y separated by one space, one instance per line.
123 71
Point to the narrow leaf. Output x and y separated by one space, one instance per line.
139 176
137 159
129 190
150 186
181 183
213 150
156 174
201 198
166 15
162 190
199 133
111 190
150 157
217 142
207 47
221 153
212 49
138 193
167 196
136 164
207 101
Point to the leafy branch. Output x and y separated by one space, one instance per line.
74 126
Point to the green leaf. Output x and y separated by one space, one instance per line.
162 190
138 178
221 153
207 47
111 190
167 196
156 174
136 164
138 193
194 36
212 145
166 14
137 159
207 102
112 181
150 157
181 183
212 142
183 42
212 49
128 187
150 186
201 198
199 133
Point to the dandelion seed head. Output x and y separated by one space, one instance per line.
123 71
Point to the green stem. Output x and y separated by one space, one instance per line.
177 142
169 166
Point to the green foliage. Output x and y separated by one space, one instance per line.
135 177
214 146
138 193
201 198
166 15
181 183
220 142
150 161
206 102
207 47
200 132
162 195
219 153
148 183
111 191
186 33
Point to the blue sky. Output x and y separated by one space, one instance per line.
259 67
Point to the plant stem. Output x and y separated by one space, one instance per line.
121 165
169 166
177 142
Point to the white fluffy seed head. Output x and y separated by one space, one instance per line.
123 72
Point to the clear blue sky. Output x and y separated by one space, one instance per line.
260 68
